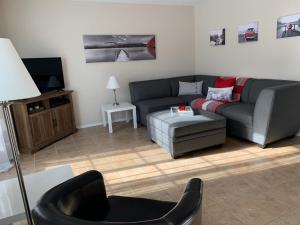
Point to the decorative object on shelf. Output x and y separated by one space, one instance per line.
113 84
182 111
248 32
217 37
119 48
288 26
15 83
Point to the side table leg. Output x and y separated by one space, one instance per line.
109 122
134 118
127 116
103 118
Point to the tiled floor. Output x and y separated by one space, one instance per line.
244 185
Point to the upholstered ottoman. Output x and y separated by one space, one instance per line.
181 134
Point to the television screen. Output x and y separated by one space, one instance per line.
47 73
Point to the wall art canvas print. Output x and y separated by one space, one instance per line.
119 48
248 32
288 26
217 37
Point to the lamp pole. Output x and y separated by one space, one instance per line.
116 103
15 151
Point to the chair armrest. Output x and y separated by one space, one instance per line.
276 113
189 206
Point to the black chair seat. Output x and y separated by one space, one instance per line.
127 209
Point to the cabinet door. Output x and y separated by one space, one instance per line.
63 120
42 127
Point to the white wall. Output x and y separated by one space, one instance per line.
268 58
1 21
55 28
43 28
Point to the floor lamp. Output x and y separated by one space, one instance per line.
15 84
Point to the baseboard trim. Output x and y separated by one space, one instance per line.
89 125
100 123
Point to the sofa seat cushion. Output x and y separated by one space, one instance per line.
127 209
153 105
189 98
238 112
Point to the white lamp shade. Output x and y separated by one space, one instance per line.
112 83
15 81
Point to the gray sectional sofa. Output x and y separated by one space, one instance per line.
269 110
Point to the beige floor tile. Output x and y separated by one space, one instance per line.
243 184
217 214
291 218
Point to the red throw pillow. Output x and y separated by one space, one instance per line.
223 82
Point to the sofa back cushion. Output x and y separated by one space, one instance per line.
190 88
246 90
175 83
259 84
149 89
224 82
208 81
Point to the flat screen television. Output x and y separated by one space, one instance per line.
47 73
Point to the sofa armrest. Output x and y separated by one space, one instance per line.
276 113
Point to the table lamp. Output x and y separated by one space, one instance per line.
113 84
15 83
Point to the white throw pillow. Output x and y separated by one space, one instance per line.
190 88
223 94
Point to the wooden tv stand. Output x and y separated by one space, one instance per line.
43 120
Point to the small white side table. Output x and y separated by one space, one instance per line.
108 109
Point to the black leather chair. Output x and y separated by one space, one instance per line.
82 200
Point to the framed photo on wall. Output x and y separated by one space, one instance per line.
248 32
217 37
288 26
119 48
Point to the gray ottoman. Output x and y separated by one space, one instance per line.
182 134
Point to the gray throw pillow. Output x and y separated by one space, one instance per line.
221 94
190 88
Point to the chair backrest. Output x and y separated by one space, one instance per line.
78 198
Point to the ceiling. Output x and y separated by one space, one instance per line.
157 2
